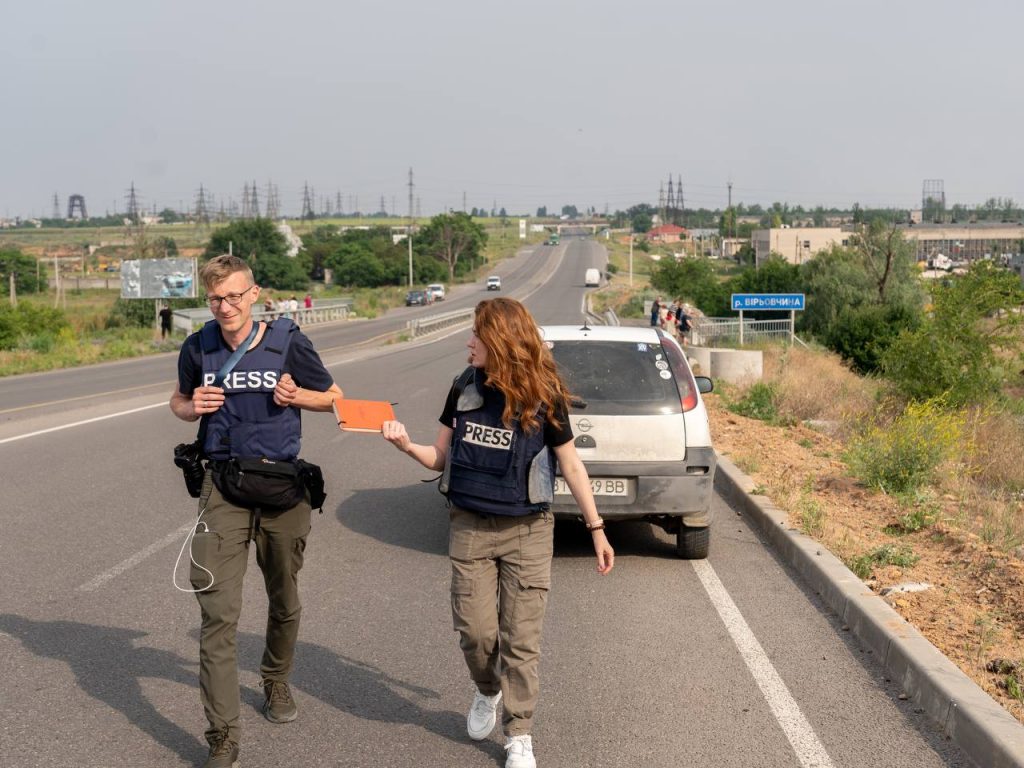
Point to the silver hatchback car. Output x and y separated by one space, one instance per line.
641 429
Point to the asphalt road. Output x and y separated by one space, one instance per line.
724 662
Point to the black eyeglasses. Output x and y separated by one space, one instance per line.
234 299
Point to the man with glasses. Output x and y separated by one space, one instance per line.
248 406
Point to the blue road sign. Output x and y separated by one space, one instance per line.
778 301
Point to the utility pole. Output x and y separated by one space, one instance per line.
408 235
631 255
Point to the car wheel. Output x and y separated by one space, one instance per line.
693 543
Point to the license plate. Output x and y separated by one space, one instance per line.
600 486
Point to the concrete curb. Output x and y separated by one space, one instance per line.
970 717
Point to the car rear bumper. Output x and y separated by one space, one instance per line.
671 489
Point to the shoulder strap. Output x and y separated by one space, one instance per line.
463 380
208 330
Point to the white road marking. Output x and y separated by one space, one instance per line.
808 749
162 403
138 557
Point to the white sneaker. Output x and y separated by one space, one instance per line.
520 752
482 715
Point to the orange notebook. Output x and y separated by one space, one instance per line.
362 415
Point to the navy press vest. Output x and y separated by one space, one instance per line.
491 468
250 423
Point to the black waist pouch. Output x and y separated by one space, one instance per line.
313 479
259 482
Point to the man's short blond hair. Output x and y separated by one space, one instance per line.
220 268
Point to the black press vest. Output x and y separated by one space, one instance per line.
491 468
250 423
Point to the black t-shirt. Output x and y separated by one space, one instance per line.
302 362
553 436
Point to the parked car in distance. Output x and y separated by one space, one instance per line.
640 427
494 283
416 298
436 291
592 277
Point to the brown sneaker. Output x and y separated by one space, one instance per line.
279 706
223 752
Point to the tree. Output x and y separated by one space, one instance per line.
969 346
24 269
451 237
542 212
258 242
846 309
693 280
885 255
571 211
642 222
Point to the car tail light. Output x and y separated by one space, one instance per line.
683 375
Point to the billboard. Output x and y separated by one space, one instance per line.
158 279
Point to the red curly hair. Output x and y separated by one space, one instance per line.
519 364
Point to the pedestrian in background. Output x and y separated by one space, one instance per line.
655 312
503 418
165 321
682 322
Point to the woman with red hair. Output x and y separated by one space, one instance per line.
504 424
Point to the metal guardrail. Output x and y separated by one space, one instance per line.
727 331
322 311
421 326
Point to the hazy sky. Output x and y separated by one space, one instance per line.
523 104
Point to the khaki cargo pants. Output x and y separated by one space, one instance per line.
222 547
501 573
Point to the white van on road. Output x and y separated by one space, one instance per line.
436 291
592 277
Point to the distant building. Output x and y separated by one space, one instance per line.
796 244
666 233
967 242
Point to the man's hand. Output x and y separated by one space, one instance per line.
285 391
207 400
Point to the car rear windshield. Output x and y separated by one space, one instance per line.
617 377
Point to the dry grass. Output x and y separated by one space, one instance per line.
998 437
980 485
813 385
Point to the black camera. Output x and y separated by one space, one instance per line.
189 456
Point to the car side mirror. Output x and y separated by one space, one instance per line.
704 384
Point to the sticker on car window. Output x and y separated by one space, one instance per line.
641 347
666 375
661 365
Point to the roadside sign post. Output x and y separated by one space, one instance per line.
771 302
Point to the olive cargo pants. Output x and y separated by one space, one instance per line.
221 546
501 573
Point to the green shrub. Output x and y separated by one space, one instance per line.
25 321
903 456
861 335
759 402
887 554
